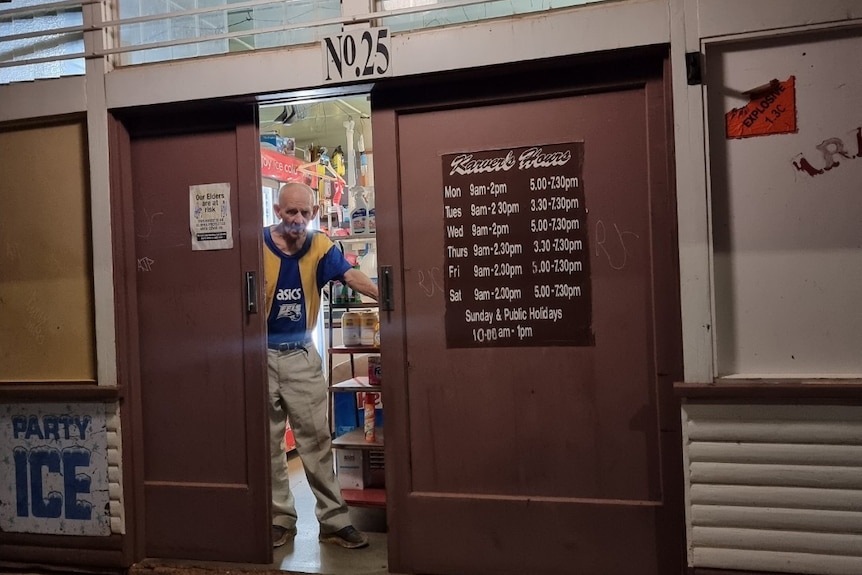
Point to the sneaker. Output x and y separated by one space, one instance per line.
348 537
280 535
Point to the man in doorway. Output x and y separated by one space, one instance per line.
297 264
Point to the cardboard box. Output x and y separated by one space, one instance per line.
351 468
374 371
346 415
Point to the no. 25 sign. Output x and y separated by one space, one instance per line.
357 55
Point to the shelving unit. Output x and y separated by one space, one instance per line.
368 453
356 440
354 238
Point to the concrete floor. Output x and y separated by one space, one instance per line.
307 555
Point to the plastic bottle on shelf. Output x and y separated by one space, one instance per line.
371 220
369 325
350 328
359 212
368 265
337 292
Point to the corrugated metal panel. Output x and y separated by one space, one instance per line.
115 472
774 488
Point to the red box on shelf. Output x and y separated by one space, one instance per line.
374 371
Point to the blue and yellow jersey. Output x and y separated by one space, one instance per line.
292 285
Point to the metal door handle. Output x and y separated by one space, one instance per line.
250 292
386 288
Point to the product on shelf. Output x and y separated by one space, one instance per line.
370 412
374 371
371 220
359 213
350 328
369 327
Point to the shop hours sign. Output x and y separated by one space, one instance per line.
517 268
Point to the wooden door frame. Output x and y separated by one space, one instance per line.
122 126
535 80
125 319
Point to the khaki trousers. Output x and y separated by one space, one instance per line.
297 390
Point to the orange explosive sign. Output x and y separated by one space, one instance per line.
772 110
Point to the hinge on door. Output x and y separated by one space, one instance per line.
693 73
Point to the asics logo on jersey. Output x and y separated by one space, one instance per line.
292 311
288 294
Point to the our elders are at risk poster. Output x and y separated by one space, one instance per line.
210 217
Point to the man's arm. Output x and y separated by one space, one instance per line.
360 282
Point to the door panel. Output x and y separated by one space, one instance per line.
538 459
202 379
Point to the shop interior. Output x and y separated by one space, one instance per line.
327 144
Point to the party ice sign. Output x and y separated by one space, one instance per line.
54 469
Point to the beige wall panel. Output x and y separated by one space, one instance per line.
788 267
774 488
46 292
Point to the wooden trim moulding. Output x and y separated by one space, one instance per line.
45 551
845 390
57 392
709 571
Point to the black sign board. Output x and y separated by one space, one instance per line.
517 266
